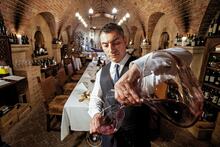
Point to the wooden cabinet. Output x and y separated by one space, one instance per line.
34 94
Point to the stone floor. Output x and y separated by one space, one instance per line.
31 132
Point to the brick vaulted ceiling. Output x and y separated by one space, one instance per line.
189 15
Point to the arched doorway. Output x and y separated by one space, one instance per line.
164 41
39 40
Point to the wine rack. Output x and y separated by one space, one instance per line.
210 77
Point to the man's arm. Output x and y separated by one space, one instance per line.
95 104
160 62
154 63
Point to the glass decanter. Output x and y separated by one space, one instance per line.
175 94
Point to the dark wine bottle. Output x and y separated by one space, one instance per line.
212 77
207 75
215 97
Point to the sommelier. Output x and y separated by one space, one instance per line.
133 132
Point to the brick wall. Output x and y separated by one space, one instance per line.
188 16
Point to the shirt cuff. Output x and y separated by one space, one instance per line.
93 112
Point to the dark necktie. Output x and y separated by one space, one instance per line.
116 73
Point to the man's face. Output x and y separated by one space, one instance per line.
114 45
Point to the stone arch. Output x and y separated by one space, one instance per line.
153 19
49 18
208 16
38 23
164 24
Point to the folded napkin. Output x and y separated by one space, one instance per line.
82 87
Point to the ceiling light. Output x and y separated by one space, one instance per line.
91 11
127 15
114 11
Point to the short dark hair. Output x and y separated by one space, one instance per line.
110 27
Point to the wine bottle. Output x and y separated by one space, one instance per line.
217 78
214 97
207 76
218 103
193 40
214 27
211 28
216 23
176 40
212 77
99 62
206 91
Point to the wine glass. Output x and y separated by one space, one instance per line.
112 117
177 95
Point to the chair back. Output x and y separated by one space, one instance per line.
61 77
48 87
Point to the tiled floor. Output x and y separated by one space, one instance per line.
31 132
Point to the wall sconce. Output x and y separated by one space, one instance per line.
124 18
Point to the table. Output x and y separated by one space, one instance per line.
75 114
11 88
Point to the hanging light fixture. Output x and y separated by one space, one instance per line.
124 18
77 15
91 11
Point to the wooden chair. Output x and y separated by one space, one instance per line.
62 82
71 73
54 103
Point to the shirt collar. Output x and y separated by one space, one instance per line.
123 61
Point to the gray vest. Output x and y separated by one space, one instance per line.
133 114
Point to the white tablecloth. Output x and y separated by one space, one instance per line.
75 114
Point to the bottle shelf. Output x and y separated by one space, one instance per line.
215 52
212 104
213 68
41 57
212 86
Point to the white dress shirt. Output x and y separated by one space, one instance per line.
96 101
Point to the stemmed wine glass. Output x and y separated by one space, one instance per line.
112 117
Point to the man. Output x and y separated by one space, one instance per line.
133 131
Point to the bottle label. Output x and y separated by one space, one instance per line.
214 28
218 102
206 95
211 79
206 78
214 99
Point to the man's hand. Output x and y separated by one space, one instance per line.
126 91
95 123
98 125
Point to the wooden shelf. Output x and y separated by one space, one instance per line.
212 104
212 86
213 68
41 57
